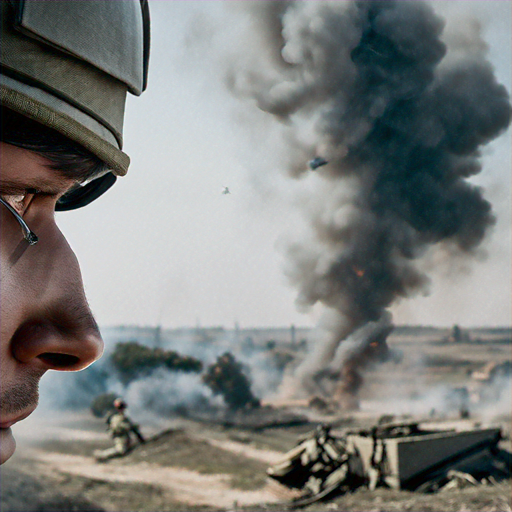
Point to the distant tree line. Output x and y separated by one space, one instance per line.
226 376
133 361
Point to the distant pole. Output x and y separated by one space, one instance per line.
292 334
158 336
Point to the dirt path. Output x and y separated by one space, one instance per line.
187 486
267 456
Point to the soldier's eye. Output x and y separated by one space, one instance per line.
20 202
17 202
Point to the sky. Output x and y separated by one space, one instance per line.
165 247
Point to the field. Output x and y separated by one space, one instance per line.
191 465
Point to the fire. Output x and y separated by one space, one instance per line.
358 272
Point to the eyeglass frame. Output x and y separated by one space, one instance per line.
28 234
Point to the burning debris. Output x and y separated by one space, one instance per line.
339 381
401 117
395 455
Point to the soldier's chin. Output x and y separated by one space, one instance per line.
7 444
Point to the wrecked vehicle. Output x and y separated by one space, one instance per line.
320 465
394 455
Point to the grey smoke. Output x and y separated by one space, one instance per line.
401 118
165 393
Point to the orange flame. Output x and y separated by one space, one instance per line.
359 272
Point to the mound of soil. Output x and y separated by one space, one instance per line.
24 490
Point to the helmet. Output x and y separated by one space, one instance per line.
69 65
120 404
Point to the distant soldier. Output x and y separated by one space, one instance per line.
121 429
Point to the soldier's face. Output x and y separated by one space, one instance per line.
45 321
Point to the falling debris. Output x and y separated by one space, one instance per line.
225 191
403 117
317 162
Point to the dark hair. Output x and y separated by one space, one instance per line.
67 157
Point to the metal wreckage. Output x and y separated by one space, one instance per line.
395 455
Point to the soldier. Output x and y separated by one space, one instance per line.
121 429
66 68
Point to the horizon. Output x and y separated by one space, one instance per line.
288 326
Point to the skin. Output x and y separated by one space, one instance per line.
45 322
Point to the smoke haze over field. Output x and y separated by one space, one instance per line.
408 383
159 392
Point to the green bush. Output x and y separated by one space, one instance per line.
133 361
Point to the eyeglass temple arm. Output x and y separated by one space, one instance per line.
28 234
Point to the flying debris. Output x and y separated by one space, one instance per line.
226 191
317 162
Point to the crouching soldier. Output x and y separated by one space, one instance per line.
121 428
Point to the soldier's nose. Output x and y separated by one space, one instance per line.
67 339
51 324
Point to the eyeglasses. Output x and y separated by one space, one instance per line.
28 234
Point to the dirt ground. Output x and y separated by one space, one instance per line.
194 466
197 467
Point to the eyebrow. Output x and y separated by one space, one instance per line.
46 186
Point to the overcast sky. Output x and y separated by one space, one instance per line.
166 246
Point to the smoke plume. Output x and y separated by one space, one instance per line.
372 87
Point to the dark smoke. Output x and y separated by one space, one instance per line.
226 377
401 122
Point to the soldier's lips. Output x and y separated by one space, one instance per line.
7 444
